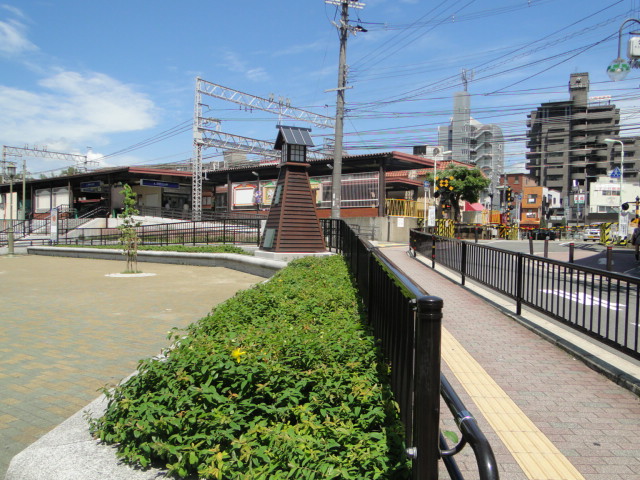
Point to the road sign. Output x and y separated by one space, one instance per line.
615 173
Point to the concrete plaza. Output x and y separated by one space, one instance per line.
68 330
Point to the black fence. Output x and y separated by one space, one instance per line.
407 322
23 228
240 231
602 304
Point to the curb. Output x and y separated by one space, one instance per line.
243 263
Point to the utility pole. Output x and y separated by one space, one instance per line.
344 29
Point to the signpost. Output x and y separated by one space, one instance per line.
157 183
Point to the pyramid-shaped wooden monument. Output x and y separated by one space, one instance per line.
292 225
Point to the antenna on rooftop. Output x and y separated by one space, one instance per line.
467 76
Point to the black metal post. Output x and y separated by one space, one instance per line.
530 244
433 251
519 282
609 258
546 247
463 262
475 233
427 387
571 248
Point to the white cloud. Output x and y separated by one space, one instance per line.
73 108
13 39
235 64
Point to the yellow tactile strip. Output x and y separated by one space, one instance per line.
536 455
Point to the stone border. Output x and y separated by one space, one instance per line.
260 267
68 452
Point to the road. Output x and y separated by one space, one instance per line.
605 306
588 254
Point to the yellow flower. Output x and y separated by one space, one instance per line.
237 353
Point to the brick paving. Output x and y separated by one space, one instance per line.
68 330
590 419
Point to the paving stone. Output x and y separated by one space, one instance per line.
68 330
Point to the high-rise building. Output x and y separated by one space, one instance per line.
469 141
566 144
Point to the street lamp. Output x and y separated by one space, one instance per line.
11 172
611 141
619 68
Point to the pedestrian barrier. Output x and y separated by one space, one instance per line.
606 238
408 322
602 304
234 231
445 227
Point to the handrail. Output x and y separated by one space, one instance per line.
415 289
471 435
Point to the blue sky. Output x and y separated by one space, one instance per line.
116 75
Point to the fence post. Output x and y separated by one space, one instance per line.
194 234
433 251
463 262
427 387
519 282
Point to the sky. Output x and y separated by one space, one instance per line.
115 80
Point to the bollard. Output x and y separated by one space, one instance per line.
571 247
609 258
530 245
427 387
546 247
475 233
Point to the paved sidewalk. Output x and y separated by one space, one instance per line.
546 414
68 330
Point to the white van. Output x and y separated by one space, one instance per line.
591 234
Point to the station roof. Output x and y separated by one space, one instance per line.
371 162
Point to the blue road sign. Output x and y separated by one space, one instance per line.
615 173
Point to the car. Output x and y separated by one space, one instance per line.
591 234
542 234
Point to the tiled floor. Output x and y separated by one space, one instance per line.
67 330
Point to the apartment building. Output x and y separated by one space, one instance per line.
567 151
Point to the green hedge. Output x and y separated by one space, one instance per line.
281 381
171 248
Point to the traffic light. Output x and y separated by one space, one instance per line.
625 206
509 195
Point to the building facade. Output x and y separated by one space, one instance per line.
472 142
567 151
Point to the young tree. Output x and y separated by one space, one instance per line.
463 184
128 235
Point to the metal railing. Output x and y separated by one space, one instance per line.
407 322
23 228
245 231
602 304
179 214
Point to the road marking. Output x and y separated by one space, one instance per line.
586 299
534 452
